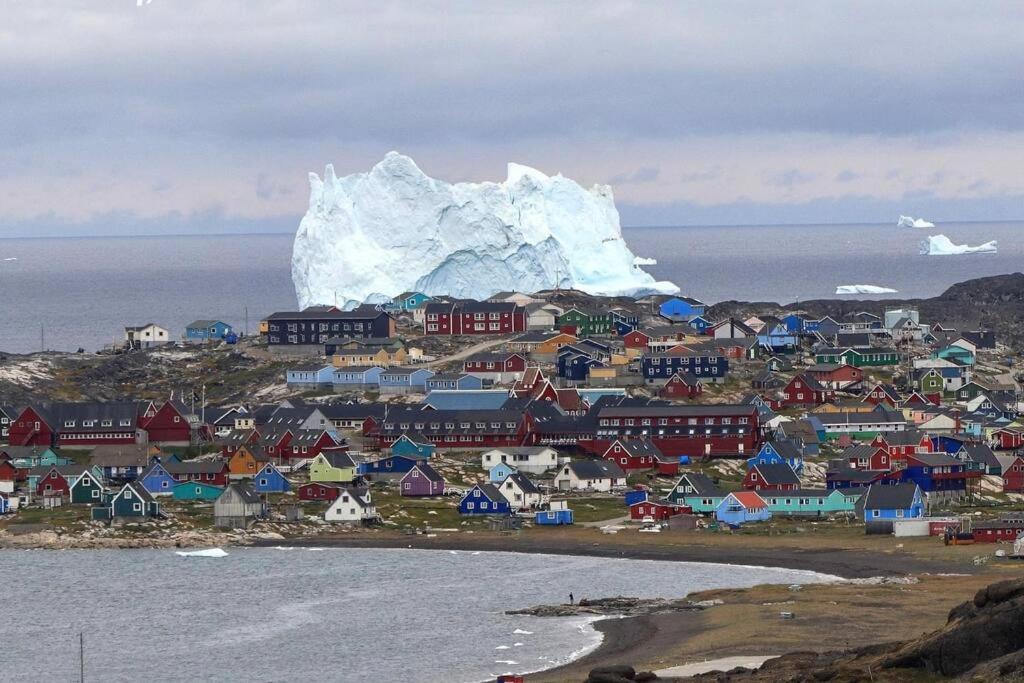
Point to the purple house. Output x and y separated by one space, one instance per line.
421 480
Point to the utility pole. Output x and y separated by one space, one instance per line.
246 328
81 657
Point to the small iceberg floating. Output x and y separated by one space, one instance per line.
908 222
521 632
11 258
940 245
211 552
644 261
864 289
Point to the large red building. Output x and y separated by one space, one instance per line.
721 430
473 317
804 390
495 363
167 424
72 425
476 429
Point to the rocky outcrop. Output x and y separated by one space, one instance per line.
619 606
621 673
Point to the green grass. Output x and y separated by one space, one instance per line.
592 509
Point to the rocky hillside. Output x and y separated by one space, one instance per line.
983 640
995 303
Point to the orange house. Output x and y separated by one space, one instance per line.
247 461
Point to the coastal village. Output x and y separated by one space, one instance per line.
432 415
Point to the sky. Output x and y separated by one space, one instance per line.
180 116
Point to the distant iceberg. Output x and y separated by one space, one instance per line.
908 222
940 245
864 289
644 261
212 552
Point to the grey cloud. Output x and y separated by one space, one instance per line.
647 174
846 176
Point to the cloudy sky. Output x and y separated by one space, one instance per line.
182 116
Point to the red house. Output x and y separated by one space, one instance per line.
1013 476
995 530
53 483
1009 439
30 428
804 390
634 454
76 425
473 317
882 393
9 474
318 491
836 376
495 364
719 430
902 444
659 510
636 339
865 457
213 472
681 385
771 477
167 424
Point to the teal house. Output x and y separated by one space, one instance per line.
88 489
412 447
196 491
500 472
955 354
408 302
698 491
133 500
811 502
207 330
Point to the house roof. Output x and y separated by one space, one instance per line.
889 496
979 452
749 499
339 459
702 485
777 473
206 323
194 466
523 482
639 448
867 417
935 459
245 491
596 469
429 472
360 313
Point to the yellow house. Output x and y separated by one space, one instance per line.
606 372
332 468
845 407
345 358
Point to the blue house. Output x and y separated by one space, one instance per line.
936 474
387 465
207 330
310 376
558 514
412 447
681 308
468 399
779 452
624 320
454 382
407 302
356 376
483 499
775 335
157 480
741 507
500 472
636 496
270 480
574 365
794 323
887 503
397 380
5 504
707 367
700 324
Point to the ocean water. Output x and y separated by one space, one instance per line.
307 614
68 293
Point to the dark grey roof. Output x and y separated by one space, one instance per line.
936 459
308 314
981 453
889 496
596 469
194 466
653 410
703 485
338 459
523 482
429 472
639 447
777 473
245 491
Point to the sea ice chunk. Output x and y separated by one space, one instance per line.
908 222
864 289
940 245
393 229
211 552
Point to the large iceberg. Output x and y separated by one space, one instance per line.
371 236
940 245
908 222
864 289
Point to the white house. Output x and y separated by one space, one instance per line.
351 505
145 336
520 492
590 475
530 459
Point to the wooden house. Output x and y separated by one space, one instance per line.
319 491
497 473
771 477
656 510
157 480
742 507
519 491
200 331
681 385
421 480
697 491
1006 529
387 468
495 366
412 447
246 462
804 390
196 491
87 489
1012 473
54 483
779 452
557 514
332 467
132 501
270 480
590 475
886 502
484 499
169 424
352 505
238 506
812 502
469 317
634 454
529 459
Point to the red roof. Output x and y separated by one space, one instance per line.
749 499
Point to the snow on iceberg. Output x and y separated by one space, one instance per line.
908 222
372 235
211 552
940 245
644 261
864 289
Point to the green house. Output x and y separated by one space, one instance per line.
133 500
859 358
24 457
698 491
587 323
196 490
88 490
931 382
810 502
328 468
